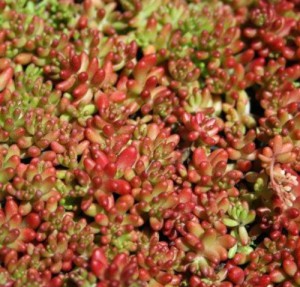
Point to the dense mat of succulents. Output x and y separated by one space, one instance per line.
149 143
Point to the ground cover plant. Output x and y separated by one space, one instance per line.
149 143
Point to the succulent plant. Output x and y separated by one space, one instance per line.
149 143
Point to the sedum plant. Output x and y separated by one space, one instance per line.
149 143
